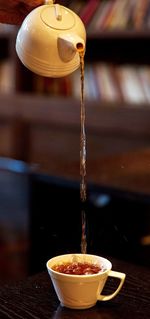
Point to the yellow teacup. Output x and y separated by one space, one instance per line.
82 291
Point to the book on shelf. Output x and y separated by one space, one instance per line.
115 81
7 28
76 6
144 76
98 17
87 12
93 84
107 84
113 14
119 19
88 93
7 76
139 13
112 8
90 88
131 85
146 19
74 79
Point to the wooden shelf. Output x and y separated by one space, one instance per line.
42 130
119 34
66 112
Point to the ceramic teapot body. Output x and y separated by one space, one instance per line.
50 39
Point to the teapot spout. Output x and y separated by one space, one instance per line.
69 45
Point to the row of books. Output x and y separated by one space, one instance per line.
7 76
115 84
102 82
99 15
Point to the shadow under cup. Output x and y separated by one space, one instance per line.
82 291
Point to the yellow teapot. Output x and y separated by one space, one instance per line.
50 39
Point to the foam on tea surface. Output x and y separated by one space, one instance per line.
78 264
77 268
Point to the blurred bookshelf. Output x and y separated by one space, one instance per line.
117 77
117 55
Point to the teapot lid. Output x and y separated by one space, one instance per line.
58 17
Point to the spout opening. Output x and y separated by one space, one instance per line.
80 47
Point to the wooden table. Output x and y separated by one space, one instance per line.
35 298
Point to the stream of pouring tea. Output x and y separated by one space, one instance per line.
83 194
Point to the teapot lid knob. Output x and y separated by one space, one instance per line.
58 17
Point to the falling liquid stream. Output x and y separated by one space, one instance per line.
83 190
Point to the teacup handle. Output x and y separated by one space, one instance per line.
114 274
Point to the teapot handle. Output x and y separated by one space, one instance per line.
49 1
